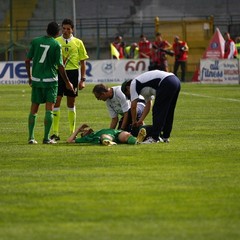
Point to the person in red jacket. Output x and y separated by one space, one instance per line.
180 49
160 50
144 47
230 50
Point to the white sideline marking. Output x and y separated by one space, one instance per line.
219 98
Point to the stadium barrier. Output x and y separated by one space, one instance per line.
97 71
117 71
220 71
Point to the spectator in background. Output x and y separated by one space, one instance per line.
230 50
237 44
180 49
132 51
119 45
160 48
145 47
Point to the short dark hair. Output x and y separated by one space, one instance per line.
53 29
100 88
125 84
68 21
117 37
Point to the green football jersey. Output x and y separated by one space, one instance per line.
73 51
94 137
47 56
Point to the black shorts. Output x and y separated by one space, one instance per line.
73 77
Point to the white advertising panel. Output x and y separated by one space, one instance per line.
104 71
219 71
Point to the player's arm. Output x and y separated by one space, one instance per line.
186 48
142 54
83 74
145 113
62 71
168 45
72 138
125 120
125 105
134 112
114 122
28 68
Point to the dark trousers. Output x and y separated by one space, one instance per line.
183 65
164 107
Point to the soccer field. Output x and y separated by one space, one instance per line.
187 189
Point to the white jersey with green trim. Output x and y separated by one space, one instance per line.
118 104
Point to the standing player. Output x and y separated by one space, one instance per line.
73 51
46 54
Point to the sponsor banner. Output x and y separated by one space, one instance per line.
219 71
215 50
13 73
216 45
104 71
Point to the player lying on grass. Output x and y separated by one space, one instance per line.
107 137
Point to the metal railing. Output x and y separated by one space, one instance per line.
96 33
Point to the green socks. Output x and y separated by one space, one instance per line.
31 125
48 124
131 140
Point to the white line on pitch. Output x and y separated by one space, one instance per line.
200 95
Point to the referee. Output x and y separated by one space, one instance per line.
73 52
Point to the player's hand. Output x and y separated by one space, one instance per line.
69 86
30 82
81 85
134 124
82 127
139 123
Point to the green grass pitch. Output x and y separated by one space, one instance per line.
187 189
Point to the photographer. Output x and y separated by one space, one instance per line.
180 49
160 50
